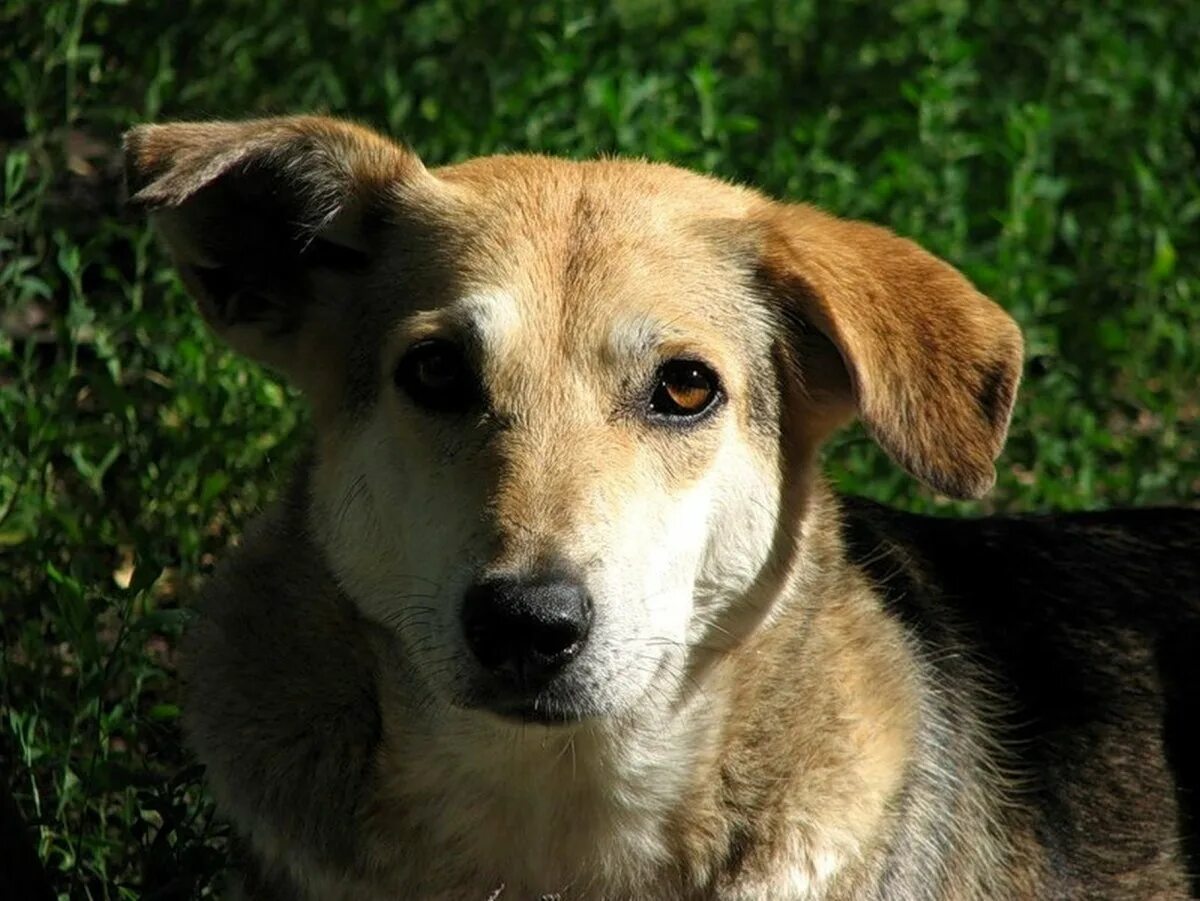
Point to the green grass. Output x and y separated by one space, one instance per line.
1049 150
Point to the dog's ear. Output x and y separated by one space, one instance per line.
879 327
258 215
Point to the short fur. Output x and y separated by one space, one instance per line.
785 694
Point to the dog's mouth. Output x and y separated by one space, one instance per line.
543 715
551 706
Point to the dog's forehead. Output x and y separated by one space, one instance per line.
615 255
541 185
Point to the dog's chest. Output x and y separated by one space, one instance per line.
551 817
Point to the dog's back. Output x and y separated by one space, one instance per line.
1086 625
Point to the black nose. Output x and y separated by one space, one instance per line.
526 631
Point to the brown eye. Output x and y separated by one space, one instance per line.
437 376
684 389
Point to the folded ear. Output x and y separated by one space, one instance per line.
257 214
929 364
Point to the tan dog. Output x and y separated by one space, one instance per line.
560 605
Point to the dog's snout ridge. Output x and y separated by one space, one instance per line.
525 631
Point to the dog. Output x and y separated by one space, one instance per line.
559 605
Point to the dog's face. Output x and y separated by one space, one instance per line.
561 473
567 411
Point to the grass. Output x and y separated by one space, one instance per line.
1049 150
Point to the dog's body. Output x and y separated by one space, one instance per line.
560 606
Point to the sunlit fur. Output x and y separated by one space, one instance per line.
752 715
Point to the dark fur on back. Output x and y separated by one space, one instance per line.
1088 626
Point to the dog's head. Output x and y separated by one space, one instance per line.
567 412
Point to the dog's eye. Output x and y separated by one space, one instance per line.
684 389
436 375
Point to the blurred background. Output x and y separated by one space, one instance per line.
1050 150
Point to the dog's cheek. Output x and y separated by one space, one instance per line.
675 560
650 562
395 531
346 518
741 528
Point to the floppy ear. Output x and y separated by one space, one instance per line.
929 364
259 215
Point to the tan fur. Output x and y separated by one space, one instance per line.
761 715
909 328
